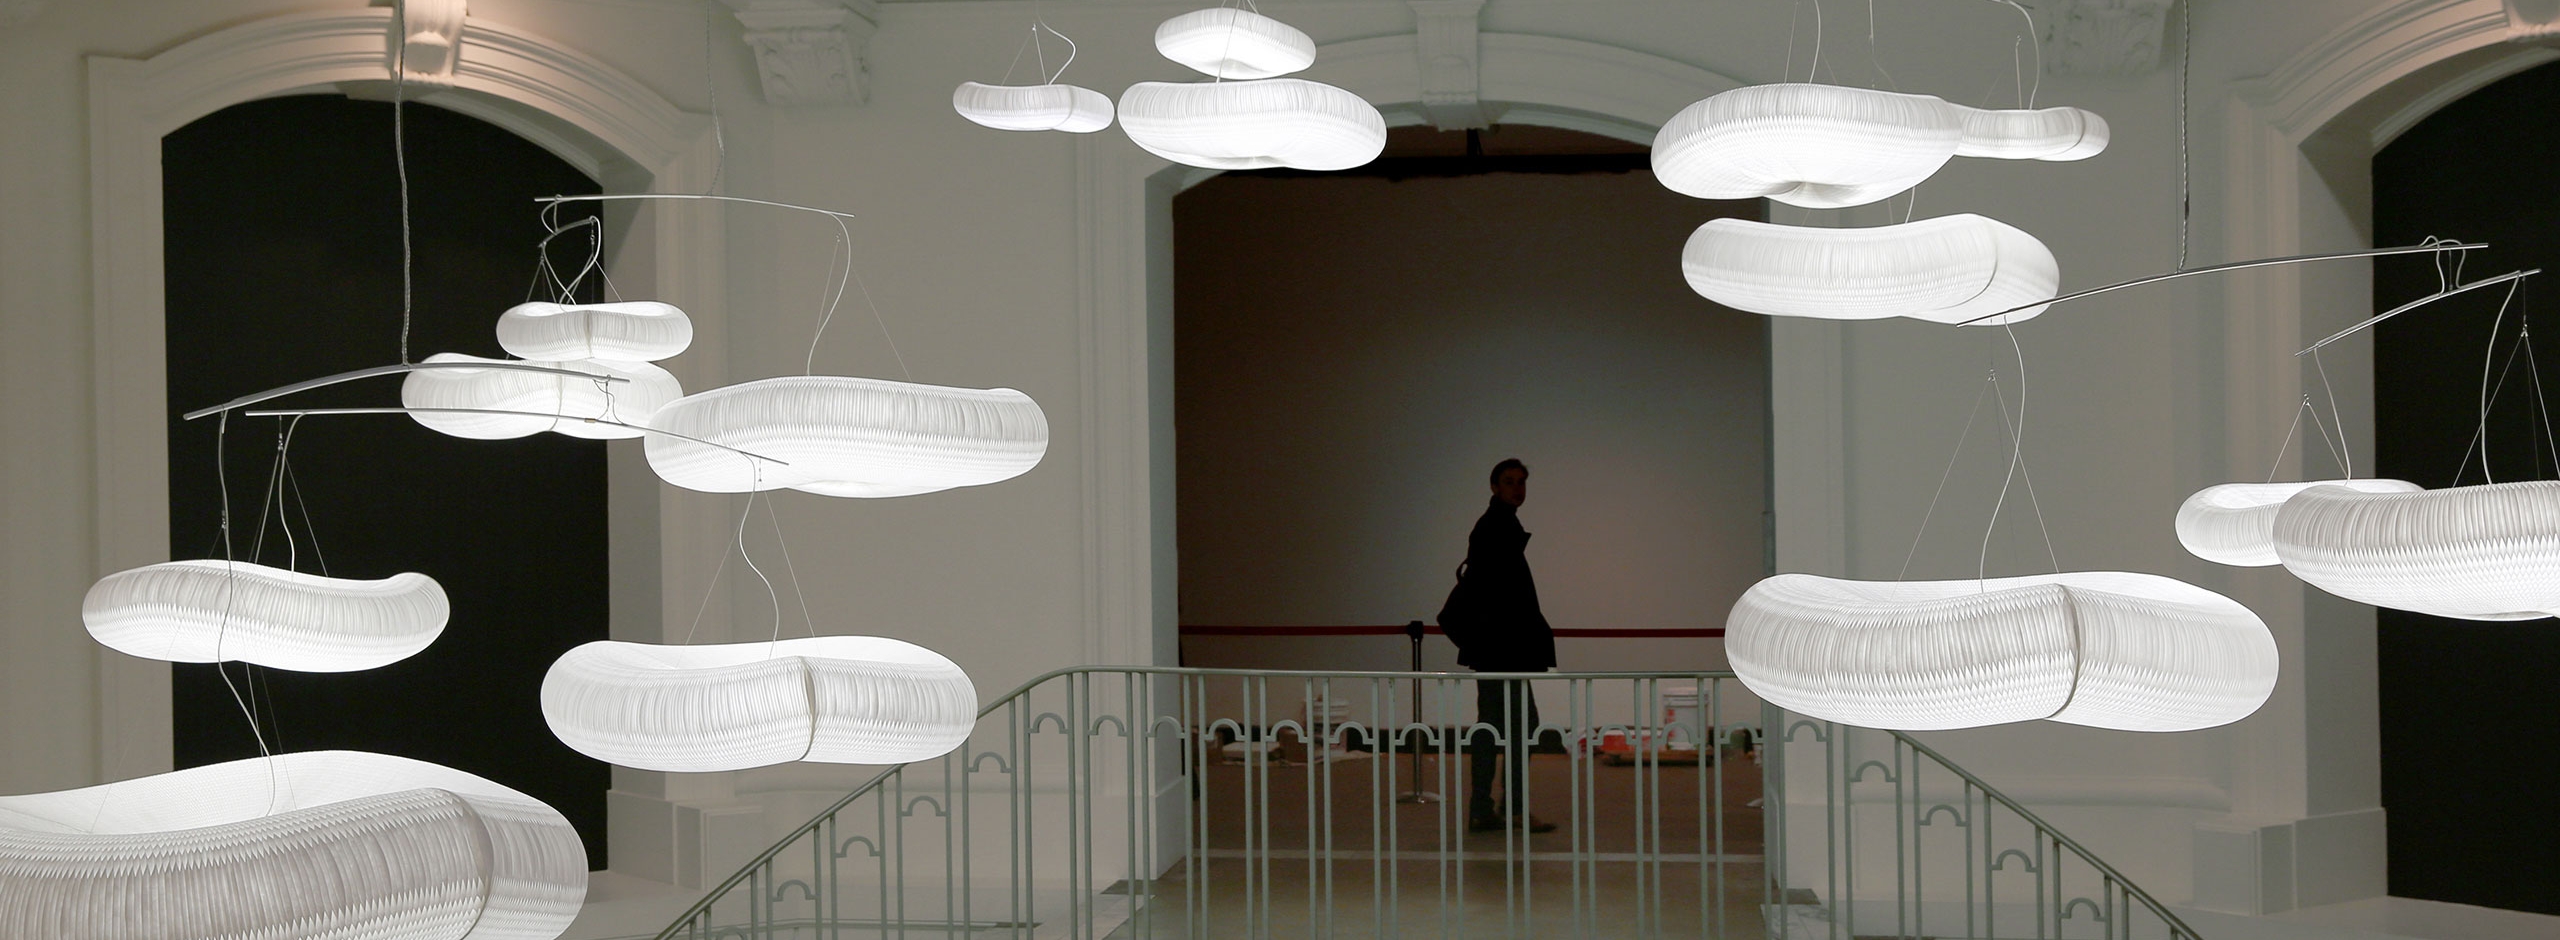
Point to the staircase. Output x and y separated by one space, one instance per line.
1098 803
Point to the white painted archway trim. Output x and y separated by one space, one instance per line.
589 113
1124 202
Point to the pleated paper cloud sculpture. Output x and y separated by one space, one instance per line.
638 331
1235 43
2235 523
1259 123
1830 146
1053 107
202 610
836 699
2488 552
629 402
1947 269
2106 649
845 436
322 844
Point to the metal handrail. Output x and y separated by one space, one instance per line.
2176 925
1158 726
811 827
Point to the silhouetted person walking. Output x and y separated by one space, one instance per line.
1501 630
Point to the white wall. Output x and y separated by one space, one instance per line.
969 240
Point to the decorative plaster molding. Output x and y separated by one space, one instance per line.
811 51
1445 55
2105 37
2531 20
426 41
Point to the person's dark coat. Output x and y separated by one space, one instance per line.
1506 632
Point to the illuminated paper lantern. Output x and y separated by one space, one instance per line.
2106 649
731 706
321 844
1946 270
2235 523
186 611
1272 122
628 402
2050 134
1235 43
1832 146
1069 108
2487 552
846 436
637 331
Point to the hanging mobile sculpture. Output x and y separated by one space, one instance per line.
1046 106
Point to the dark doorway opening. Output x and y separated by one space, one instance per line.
2467 757
283 263
1353 351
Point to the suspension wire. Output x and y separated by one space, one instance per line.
1914 550
2345 452
2028 475
1795 12
2492 353
2186 194
2026 92
230 595
2479 432
844 241
2288 439
789 568
773 599
711 84
2334 455
2533 367
400 158
1813 73
2017 448
1873 60
304 504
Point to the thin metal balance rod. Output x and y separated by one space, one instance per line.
2232 266
2420 302
327 380
299 412
759 202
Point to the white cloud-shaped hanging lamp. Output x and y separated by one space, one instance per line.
2105 649
1250 125
1946 270
2054 135
2235 523
1235 43
846 436
1053 107
630 402
637 331
1832 146
2487 552
731 706
186 611
306 846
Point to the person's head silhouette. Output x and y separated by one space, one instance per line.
1510 480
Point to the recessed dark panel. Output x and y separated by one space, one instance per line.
283 248
2467 761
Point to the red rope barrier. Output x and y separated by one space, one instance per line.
1398 630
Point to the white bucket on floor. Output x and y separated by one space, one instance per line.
1684 714
1323 716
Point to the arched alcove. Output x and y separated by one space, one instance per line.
604 122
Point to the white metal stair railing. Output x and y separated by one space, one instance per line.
1097 803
